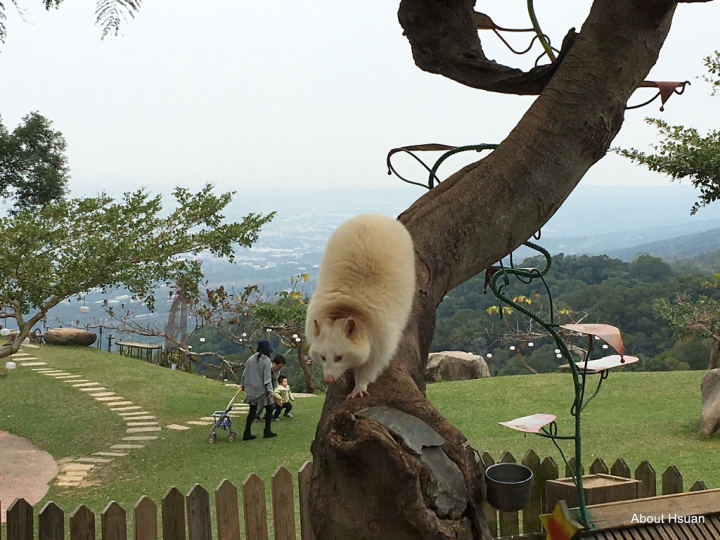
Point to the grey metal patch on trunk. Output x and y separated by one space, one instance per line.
414 432
446 488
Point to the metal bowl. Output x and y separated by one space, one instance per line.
508 486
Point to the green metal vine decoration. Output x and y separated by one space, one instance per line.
527 275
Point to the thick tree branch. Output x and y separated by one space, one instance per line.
444 40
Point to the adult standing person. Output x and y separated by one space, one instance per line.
258 384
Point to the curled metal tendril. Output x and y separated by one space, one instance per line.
433 179
665 90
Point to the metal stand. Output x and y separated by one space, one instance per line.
544 425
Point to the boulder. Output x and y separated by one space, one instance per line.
710 415
72 337
455 366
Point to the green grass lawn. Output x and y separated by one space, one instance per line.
637 416
68 423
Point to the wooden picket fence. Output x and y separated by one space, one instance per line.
190 517
182 518
527 521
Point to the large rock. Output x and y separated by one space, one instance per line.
710 415
69 336
455 366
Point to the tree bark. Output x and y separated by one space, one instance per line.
10 348
25 327
307 372
714 354
366 482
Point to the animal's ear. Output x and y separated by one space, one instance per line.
317 328
350 327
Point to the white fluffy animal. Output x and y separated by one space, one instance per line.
363 298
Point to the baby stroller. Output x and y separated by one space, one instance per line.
222 420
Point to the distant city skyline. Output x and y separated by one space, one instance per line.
288 95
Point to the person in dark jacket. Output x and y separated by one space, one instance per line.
257 381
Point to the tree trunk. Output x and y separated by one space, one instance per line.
10 348
13 346
525 364
368 481
307 372
714 354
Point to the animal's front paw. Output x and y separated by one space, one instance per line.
358 394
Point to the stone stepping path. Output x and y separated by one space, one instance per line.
137 420
93 460
71 474
141 425
199 423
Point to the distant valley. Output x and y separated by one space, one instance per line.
617 221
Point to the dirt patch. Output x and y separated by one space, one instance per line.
25 471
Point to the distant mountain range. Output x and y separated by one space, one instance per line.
668 242
679 247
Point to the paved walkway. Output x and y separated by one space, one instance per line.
25 471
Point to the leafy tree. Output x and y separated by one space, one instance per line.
650 269
693 320
245 317
285 317
605 290
692 353
69 247
33 166
684 153
523 335
108 14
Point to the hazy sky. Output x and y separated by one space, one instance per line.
287 94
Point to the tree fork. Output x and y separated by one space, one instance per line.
366 484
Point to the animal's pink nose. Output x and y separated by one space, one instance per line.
329 379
